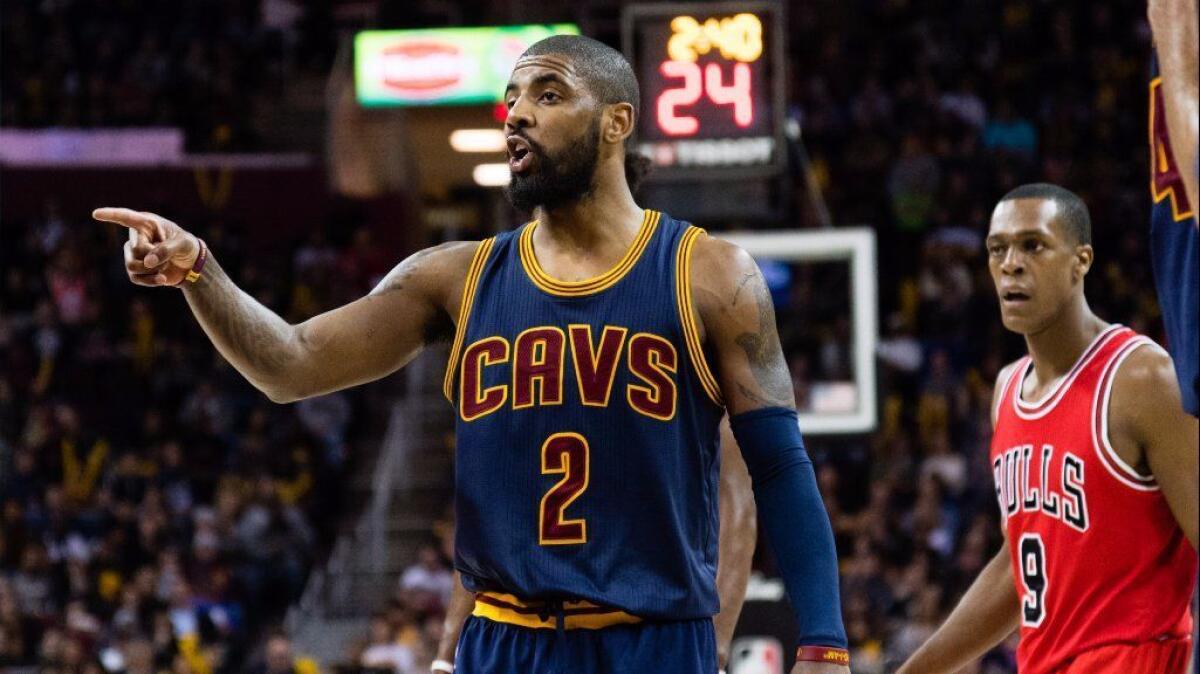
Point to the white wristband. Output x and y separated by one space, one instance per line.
442 666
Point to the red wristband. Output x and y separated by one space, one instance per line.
833 656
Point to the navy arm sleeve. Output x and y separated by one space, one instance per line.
794 516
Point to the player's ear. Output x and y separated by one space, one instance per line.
617 124
1084 256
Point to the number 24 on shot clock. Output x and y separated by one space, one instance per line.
711 77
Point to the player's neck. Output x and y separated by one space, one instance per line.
1057 348
604 222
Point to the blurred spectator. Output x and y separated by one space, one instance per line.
913 183
1010 133
428 581
384 652
964 103
280 659
326 417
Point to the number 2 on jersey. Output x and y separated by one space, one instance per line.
567 454
1033 577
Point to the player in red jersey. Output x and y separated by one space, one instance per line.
1095 465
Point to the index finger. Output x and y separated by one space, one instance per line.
126 218
141 244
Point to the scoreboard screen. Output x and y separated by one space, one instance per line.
711 81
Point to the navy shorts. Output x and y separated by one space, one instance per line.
681 647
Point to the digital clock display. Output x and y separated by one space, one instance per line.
708 73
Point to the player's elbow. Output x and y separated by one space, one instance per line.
291 376
737 502
284 390
744 517
280 395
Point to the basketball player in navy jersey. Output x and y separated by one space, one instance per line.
1174 173
1174 239
736 543
594 351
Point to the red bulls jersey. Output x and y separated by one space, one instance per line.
1097 556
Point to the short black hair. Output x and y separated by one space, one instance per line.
605 71
608 75
1072 212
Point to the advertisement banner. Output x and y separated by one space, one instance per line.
441 66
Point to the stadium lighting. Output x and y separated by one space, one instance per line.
477 140
491 175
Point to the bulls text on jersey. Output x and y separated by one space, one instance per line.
1027 480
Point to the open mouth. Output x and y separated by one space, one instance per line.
1014 296
520 154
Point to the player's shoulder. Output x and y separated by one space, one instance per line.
1002 378
434 269
450 252
1144 385
1007 371
719 265
714 251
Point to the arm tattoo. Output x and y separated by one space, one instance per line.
746 278
249 335
440 327
765 355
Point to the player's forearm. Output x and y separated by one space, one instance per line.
794 520
254 339
987 613
461 603
1175 29
737 540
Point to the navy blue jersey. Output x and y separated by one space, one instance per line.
1175 249
587 458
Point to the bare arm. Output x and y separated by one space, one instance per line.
362 341
1147 414
461 603
359 342
1175 35
738 322
987 613
737 540
738 319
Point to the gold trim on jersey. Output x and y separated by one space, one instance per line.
506 608
687 315
593 285
464 313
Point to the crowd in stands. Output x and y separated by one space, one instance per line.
146 488
156 512
203 66
403 638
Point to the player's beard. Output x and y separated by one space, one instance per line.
558 179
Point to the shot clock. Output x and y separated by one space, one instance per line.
712 87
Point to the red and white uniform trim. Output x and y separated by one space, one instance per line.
1097 555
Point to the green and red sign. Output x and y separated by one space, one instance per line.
441 66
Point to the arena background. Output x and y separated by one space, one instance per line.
158 514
